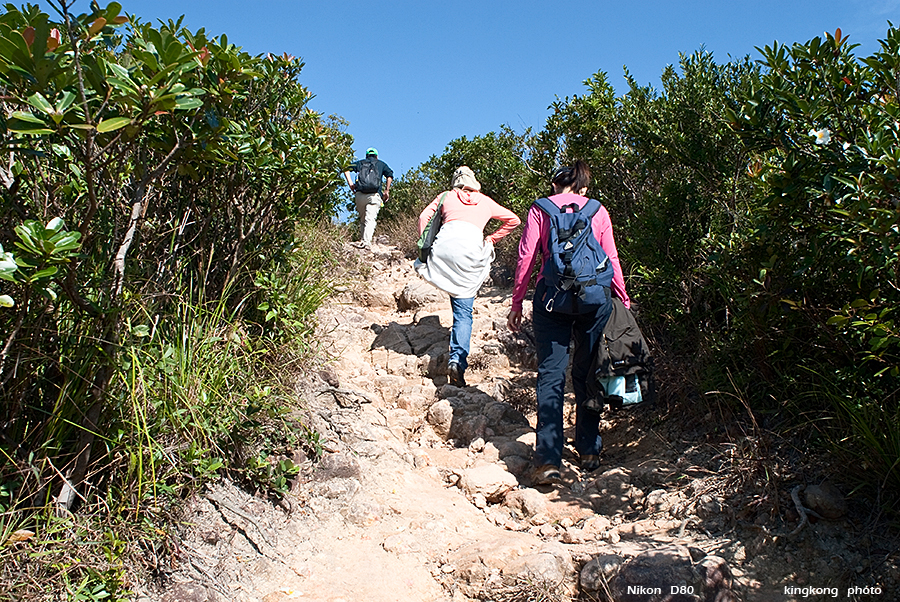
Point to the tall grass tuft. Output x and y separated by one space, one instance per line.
863 431
201 389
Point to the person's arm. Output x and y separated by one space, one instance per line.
427 213
353 167
388 174
510 221
606 239
529 245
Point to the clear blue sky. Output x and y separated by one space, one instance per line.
411 75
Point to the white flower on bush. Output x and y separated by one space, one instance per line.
7 267
822 136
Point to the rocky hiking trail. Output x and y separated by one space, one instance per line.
422 493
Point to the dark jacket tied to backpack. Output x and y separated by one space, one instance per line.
622 353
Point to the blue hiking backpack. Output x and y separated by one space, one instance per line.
578 272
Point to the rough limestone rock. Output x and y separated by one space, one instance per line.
826 500
517 465
649 577
616 491
440 417
658 501
598 571
476 561
717 579
428 333
419 293
390 386
506 446
190 592
525 503
376 297
393 338
337 466
489 480
551 567
402 543
414 403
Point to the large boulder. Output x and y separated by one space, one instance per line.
664 574
393 337
419 294
650 577
440 417
526 503
488 480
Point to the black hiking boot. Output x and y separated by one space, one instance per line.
455 375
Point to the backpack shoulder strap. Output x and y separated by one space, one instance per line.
547 206
591 207
550 208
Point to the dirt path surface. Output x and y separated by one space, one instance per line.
423 493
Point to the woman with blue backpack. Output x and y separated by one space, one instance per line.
579 271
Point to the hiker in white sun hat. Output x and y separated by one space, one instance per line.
461 256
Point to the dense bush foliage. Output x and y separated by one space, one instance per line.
755 207
153 179
822 244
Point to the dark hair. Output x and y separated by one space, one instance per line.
576 176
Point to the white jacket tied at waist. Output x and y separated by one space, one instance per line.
460 259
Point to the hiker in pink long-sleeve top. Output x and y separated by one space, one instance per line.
554 328
461 256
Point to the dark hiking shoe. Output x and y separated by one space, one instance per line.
455 375
590 462
548 474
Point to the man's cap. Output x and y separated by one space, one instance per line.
372 151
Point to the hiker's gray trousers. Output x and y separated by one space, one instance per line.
368 205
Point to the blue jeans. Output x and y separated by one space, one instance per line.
461 332
552 333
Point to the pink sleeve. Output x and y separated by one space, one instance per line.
602 224
427 213
529 247
510 221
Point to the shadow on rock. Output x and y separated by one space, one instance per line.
421 347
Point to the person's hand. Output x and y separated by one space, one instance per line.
514 321
385 196
353 187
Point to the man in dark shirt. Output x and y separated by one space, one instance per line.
368 192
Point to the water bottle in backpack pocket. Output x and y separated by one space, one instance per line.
578 272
